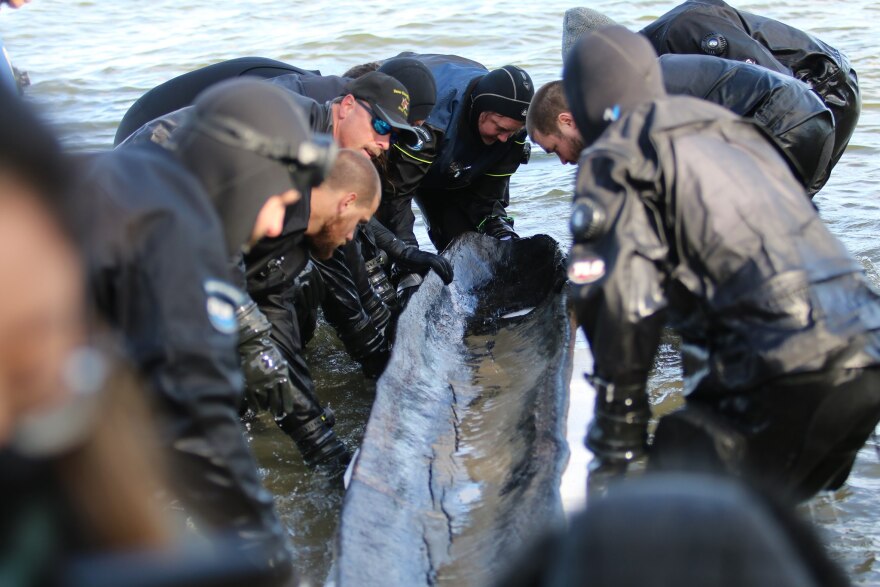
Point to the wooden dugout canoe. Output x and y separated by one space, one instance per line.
465 447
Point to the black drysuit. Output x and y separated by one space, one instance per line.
791 114
715 28
467 181
350 303
159 271
403 168
686 216
708 232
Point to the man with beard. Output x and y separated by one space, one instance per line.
163 223
319 225
351 304
685 215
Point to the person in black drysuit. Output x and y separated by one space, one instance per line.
794 116
715 28
276 376
389 236
404 166
686 216
357 285
480 115
163 224
351 304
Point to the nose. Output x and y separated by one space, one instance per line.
504 136
384 142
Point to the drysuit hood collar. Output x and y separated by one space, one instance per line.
238 177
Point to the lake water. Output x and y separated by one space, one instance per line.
89 60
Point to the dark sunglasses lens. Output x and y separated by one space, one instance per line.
381 127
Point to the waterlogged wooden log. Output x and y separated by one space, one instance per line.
465 447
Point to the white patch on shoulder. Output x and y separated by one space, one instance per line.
222 300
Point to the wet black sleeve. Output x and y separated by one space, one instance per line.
386 240
402 172
408 164
616 275
490 193
398 216
710 32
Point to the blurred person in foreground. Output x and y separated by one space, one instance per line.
685 215
78 475
663 529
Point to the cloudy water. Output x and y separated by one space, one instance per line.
88 61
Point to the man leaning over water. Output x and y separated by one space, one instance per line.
686 216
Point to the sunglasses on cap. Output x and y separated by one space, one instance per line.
380 126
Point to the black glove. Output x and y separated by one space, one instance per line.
320 447
267 386
619 430
500 227
423 260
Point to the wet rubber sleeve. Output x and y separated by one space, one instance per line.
620 303
386 240
412 257
267 386
620 299
692 31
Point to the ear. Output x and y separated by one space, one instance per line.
346 105
348 199
565 119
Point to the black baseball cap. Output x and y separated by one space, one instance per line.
387 97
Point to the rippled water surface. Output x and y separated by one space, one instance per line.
88 61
